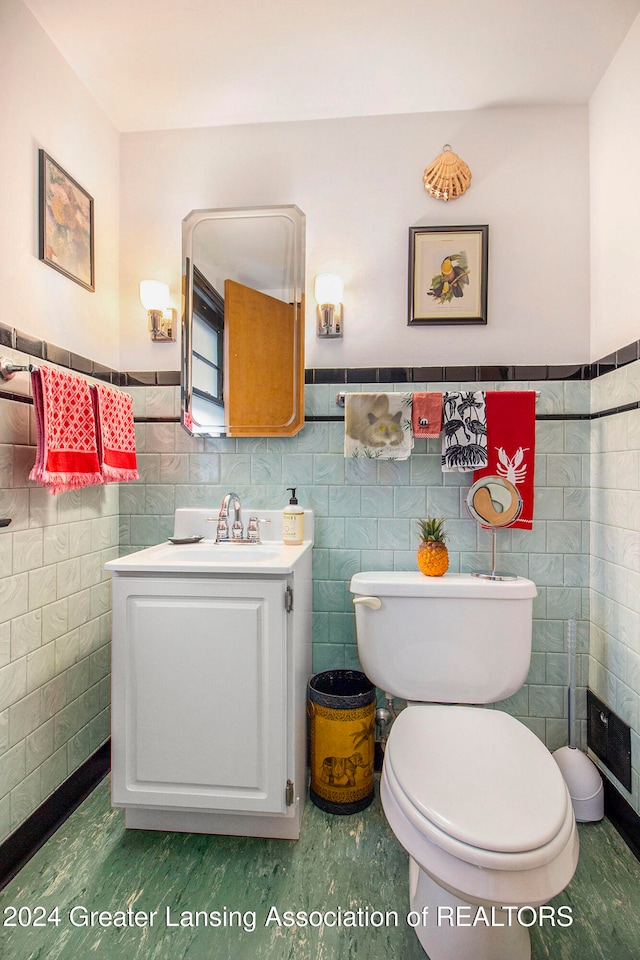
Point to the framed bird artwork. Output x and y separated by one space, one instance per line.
448 269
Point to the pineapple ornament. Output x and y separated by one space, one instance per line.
433 556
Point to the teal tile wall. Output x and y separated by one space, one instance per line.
614 662
55 624
365 513
583 553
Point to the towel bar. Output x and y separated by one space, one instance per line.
340 398
8 368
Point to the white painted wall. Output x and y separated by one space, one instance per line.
615 201
54 593
359 182
43 104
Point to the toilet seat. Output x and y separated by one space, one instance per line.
479 785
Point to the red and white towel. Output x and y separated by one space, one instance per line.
511 445
66 453
115 434
426 414
85 435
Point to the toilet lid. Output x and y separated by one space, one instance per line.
479 775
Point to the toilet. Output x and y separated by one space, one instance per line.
473 796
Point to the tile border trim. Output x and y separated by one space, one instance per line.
477 373
24 842
42 349
622 816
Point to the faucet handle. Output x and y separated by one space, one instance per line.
222 529
253 531
222 526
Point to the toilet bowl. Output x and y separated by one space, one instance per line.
473 796
490 826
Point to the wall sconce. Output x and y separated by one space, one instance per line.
154 297
328 292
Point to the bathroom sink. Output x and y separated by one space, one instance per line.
207 552
208 557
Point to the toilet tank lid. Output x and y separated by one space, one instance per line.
412 583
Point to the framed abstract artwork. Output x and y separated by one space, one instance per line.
66 224
448 274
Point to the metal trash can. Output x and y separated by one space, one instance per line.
341 707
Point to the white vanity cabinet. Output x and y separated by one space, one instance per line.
209 675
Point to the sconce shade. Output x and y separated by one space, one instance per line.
328 291
329 288
154 295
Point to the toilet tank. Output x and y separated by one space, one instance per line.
450 639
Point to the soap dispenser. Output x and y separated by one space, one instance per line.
293 521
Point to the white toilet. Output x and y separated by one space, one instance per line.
473 795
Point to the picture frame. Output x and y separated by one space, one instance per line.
66 232
448 269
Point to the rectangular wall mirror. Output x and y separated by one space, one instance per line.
243 322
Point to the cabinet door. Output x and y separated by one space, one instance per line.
199 694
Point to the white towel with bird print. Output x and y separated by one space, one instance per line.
378 425
464 437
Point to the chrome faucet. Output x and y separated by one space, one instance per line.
223 519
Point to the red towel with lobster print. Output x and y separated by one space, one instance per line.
66 451
511 445
115 434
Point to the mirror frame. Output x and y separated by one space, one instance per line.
515 501
296 258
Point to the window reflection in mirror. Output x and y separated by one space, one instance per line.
243 324
207 354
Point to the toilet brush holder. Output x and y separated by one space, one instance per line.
584 782
580 773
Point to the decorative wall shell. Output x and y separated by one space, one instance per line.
448 176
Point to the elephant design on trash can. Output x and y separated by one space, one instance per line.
337 768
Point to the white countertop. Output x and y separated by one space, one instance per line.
209 557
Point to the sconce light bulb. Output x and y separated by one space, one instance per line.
329 288
154 295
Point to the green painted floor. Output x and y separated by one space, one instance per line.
93 864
